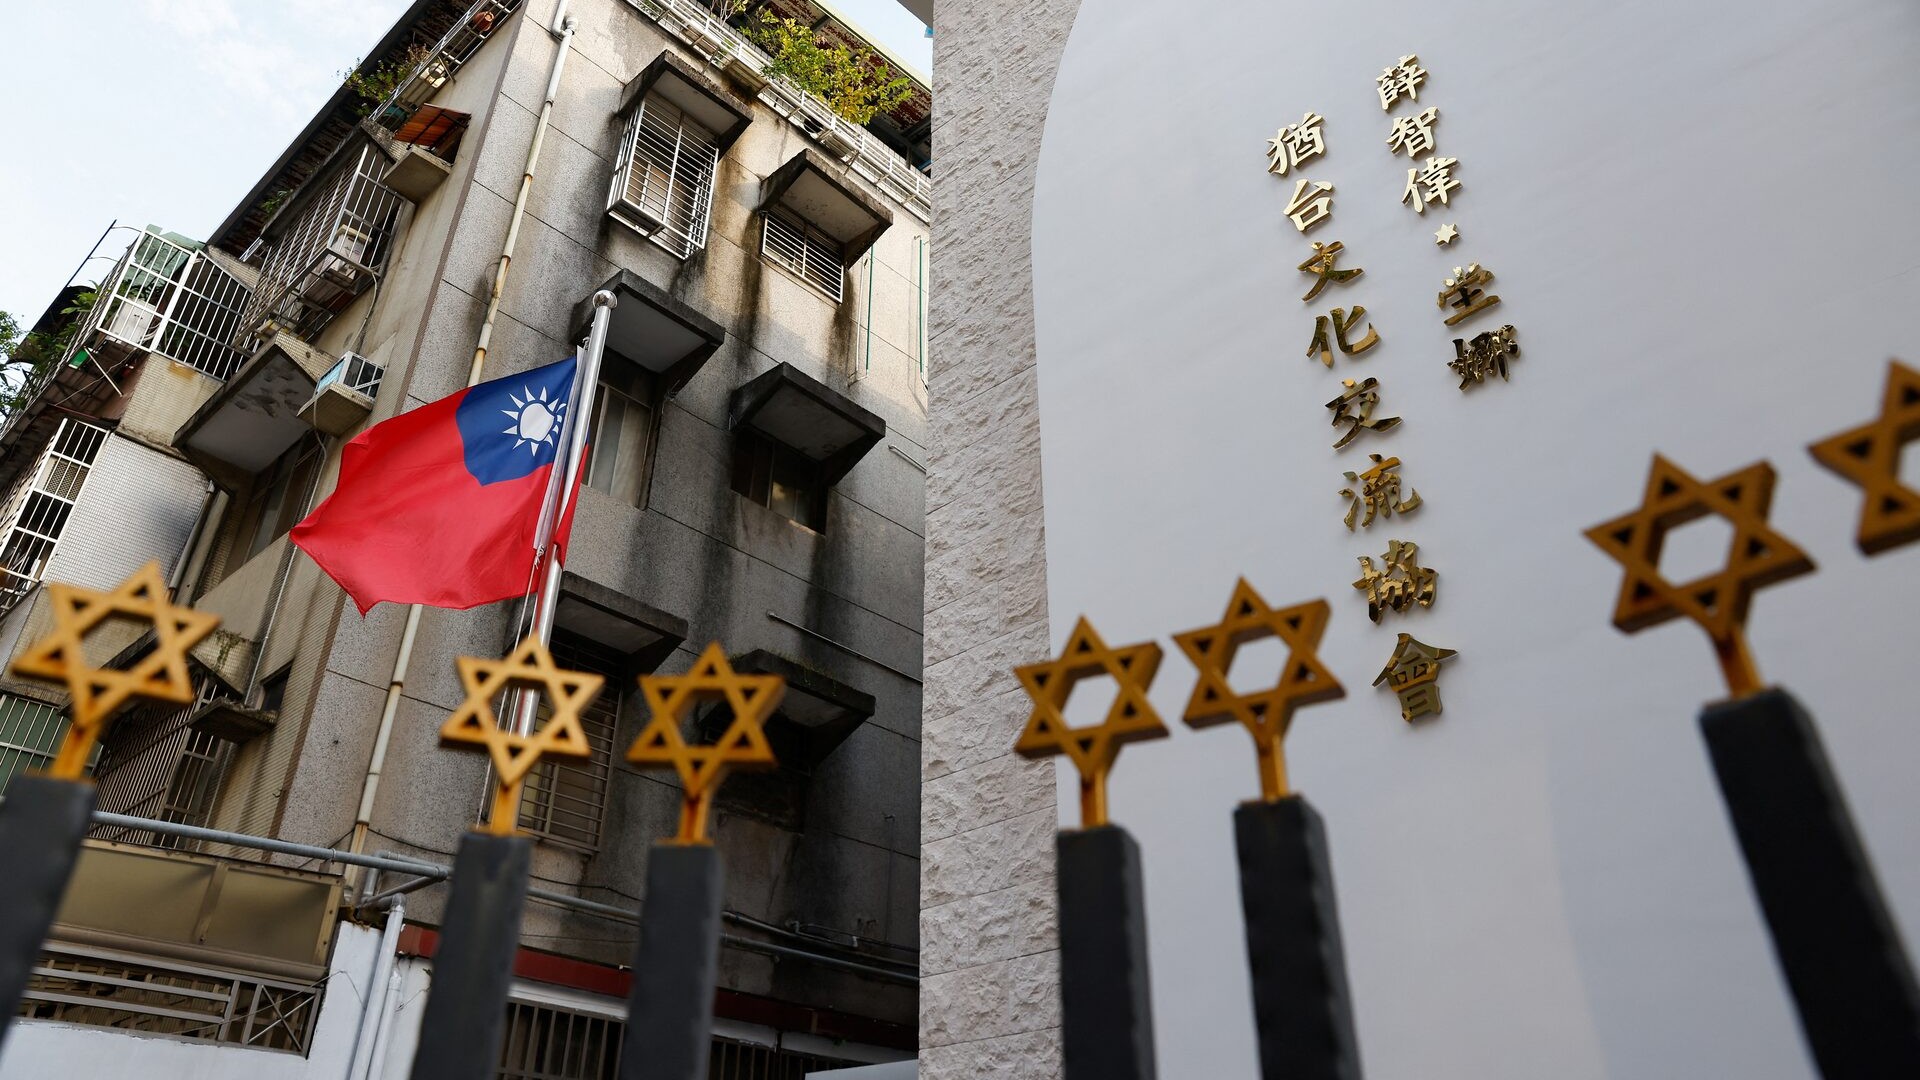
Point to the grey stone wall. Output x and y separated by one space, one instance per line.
989 1003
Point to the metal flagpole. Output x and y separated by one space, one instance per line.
579 422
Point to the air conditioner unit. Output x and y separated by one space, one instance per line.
131 322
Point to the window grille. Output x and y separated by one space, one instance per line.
36 513
102 988
814 256
328 255
663 182
167 296
545 1042
564 801
30 733
152 764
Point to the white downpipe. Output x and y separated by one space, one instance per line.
396 685
373 1012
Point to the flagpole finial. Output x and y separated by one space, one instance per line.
605 298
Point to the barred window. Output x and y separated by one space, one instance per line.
811 254
545 1042
566 801
663 182
30 733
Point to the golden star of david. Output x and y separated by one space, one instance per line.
61 656
1266 714
1869 456
752 698
1757 557
1092 749
528 667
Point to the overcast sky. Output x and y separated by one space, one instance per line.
167 111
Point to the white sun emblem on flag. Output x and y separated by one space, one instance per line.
536 419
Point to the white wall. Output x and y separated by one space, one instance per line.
1702 223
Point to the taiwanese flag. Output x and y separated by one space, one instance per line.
440 506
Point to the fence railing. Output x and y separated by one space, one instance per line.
81 984
328 255
445 60
168 298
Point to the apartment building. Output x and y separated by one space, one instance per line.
757 479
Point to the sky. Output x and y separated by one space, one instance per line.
166 112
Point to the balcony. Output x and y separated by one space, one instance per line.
444 60
248 423
333 247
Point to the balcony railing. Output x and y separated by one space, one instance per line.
328 255
80 984
168 297
872 159
448 55
36 512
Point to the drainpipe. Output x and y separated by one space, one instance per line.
562 30
192 553
373 1013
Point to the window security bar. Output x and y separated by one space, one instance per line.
167 298
663 183
805 250
327 256
37 511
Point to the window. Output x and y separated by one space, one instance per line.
30 733
622 427
663 182
779 478
281 502
564 801
810 254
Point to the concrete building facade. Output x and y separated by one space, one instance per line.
757 479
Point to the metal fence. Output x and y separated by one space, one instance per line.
326 256
83 985
153 764
663 181
546 1042
809 253
168 296
567 802
36 513
30 732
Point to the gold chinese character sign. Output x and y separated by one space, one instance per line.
1403 79
1413 672
1484 356
1354 408
1429 182
1413 134
1266 714
1377 492
1399 583
1091 749
1311 204
1296 143
1321 347
160 675
529 667
1321 265
1869 456
1758 556
750 699
1464 293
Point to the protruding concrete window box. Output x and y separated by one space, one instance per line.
794 439
814 216
653 329
677 124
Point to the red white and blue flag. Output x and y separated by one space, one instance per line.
442 506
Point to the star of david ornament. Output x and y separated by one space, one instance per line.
743 746
1266 714
1091 749
1869 456
528 667
1758 556
160 675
